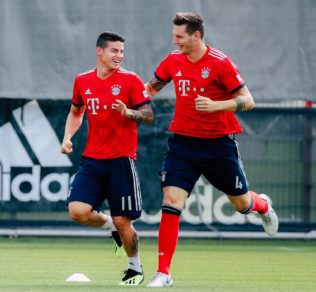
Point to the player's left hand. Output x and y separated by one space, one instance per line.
120 106
66 146
205 104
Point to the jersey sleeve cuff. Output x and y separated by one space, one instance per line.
140 104
157 77
237 88
77 104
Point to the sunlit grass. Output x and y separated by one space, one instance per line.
43 264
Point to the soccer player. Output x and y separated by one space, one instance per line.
208 89
114 100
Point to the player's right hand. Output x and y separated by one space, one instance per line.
66 146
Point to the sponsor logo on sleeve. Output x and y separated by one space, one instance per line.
145 93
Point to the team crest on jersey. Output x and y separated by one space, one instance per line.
205 72
116 89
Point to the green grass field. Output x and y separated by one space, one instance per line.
43 264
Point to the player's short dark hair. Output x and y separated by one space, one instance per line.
108 36
193 21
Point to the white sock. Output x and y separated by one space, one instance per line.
134 264
108 225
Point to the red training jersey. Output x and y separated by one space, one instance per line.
110 135
213 76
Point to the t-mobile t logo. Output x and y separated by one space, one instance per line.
93 105
184 87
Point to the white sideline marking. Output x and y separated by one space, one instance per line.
85 232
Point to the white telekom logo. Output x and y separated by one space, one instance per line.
39 134
184 86
93 105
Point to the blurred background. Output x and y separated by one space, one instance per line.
44 44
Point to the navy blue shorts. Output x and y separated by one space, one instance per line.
188 158
115 180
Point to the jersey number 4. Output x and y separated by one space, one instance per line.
238 184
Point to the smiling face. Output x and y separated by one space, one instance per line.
182 39
111 56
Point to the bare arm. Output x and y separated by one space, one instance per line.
241 101
73 123
154 86
143 114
